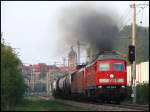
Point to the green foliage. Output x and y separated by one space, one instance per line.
12 83
142 93
142 42
37 104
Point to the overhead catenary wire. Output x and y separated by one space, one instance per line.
123 17
130 17
125 13
142 9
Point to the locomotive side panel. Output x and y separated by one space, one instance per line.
77 82
90 78
73 83
80 82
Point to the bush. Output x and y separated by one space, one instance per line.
142 93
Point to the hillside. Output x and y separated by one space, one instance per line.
142 42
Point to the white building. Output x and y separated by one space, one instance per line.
142 73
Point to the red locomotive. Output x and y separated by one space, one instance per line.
104 79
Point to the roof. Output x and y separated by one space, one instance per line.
110 55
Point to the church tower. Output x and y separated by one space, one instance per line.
72 58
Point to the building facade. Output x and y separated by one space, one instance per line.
142 73
36 76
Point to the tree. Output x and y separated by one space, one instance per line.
12 83
142 42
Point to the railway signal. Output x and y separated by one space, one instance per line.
131 54
132 51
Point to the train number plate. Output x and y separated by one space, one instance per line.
112 80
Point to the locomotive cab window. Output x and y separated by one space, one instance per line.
118 66
104 66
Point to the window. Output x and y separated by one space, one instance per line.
118 66
104 66
104 56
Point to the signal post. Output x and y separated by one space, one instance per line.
132 54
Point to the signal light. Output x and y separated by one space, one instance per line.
131 53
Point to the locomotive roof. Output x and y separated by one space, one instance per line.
109 55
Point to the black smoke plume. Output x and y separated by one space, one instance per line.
96 27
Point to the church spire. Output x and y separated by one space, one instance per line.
72 58
72 48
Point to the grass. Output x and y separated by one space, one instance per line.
36 104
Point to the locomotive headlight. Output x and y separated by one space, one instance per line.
120 80
111 75
99 86
123 86
103 80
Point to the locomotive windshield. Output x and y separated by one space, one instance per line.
118 66
104 66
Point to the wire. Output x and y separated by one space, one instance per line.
122 17
130 17
142 9
124 21
141 17
128 20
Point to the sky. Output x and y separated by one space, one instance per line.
31 27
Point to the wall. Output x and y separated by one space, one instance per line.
142 73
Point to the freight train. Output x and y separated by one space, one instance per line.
104 79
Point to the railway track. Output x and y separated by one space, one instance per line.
126 107
131 106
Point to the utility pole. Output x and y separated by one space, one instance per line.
133 66
78 44
132 51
